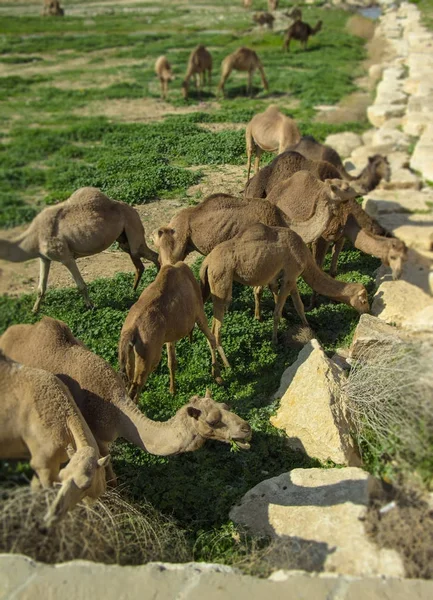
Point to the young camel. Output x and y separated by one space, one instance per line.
200 62
289 162
377 168
264 18
243 59
41 422
269 131
52 8
102 399
257 257
85 224
300 31
166 311
164 74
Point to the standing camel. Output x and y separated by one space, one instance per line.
200 62
52 8
269 131
85 224
243 59
164 74
300 31
264 18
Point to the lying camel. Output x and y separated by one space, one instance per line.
166 311
300 31
164 74
52 8
269 131
40 420
377 168
85 224
200 62
243 59
257 257
264 18
289 162
102 399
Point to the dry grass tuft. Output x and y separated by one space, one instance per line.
111 530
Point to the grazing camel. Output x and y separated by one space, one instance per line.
300 31
200 62
257 257
52 8
102 399
264 18
243 59
85 224
269 131
164 74
289 162
40 420
166 311
377 168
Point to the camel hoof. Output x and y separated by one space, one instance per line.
219 380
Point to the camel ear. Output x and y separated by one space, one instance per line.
208 393
104 461
193 412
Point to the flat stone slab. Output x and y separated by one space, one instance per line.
386 201
396 301
416 230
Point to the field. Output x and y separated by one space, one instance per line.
79 105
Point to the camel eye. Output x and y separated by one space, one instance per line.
213 423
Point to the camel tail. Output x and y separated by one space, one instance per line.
319 281
127 357
204 281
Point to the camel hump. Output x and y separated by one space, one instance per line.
258 232
57 330
87 193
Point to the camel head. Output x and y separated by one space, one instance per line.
214 421
339 190
83 477
317 27
396 257
359 298
185 89
381 165
165 241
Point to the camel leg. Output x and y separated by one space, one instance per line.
259 153
263 76
142 369
258 293
286 44
44 270
139 270
219 307
320 248
285 289
222 82
71 265
171 357
209 77
299 305
338 246
204 328
250 83
110 476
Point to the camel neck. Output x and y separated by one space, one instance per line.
159 438
17 250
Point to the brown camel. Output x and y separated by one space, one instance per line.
287 163
52 8
243 59
164 74
85 224
257 257
269 131
101 397
300 31
295 14
41 422
200 62
264 18
378 165
166 311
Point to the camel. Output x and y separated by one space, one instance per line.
164 74
52 8
166 311
264 18
378 165
272 5
269 131
243 59
289 162
100 394
41 421
247 3
295 14
300 31
200 62
257 257
85 224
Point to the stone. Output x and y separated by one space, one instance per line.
375 72
372 332
398 160
390 138
421 159
396 301
379 113
321 510
386 201
417 270
344 143
421 322
312 410
402 179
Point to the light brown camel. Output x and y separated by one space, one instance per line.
164 74
41 422
264 18
52 8
200 62
269 131
102 399
300 31
85 224
243 59
289 162
247 3
166 311
257 257
378 165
